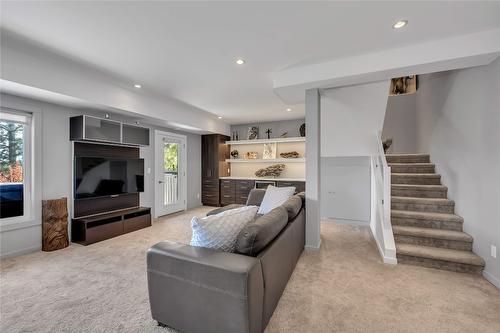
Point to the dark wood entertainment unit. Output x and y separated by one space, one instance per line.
92 229
99 218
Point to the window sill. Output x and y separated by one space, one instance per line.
15 223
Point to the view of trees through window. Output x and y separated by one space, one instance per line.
170 151
11 152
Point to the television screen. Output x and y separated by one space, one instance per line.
99 177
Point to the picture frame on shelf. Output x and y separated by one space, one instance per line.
253 133
269 151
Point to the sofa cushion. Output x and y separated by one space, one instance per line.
255 197
274 197
257 235
293 206
221 230
302 195
223 209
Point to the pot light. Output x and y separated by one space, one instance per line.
240 61
399 24
288 109
138 86
219 117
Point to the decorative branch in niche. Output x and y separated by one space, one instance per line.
290 154
274 170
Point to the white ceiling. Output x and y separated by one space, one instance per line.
186 50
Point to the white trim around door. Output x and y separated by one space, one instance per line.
171 180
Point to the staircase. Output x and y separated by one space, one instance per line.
426 230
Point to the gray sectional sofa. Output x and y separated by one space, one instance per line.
195 289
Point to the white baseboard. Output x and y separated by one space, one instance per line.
20 252
492 279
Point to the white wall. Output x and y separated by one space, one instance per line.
400 123
458 115
350 117
345 188
57 165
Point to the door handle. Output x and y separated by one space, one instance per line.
160 182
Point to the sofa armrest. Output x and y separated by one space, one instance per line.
196 289
223 209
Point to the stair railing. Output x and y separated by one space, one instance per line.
380 223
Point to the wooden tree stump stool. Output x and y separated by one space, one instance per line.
54 224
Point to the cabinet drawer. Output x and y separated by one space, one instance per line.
212 199
241 199
226 199
104 231
227 182
136 223
245 183
210 181
226 190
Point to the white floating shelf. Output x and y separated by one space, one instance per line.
260 141
275 160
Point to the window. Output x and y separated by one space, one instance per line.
15 164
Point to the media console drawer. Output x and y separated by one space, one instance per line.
104 231
136 223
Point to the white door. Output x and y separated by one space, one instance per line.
170 173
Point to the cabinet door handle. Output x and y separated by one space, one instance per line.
227 196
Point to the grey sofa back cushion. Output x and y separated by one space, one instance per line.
293 206
258 234
255 197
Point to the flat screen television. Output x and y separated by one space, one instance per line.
101 177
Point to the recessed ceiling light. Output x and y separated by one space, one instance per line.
138 86
288 109
219 117
399 24
240 61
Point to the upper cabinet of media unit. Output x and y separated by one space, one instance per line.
88 128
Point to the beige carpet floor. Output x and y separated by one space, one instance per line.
344 287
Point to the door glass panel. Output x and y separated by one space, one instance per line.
170 169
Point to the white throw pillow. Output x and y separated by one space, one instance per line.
220 231
275 197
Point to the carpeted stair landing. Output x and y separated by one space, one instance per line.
426 230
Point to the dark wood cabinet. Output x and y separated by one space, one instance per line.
227 194
92 229
88 128
236 191
299 186
214 153
242 189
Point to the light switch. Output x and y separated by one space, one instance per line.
148 171
493 251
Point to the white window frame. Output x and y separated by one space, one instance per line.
31 170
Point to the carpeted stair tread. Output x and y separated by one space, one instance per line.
424 175
407 158
416 178
423 201
412 167
420 187
432 233
435 253
426 216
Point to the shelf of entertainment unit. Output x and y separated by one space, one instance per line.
273 160
261 141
